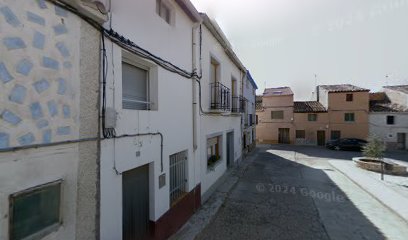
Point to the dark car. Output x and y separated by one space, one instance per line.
346 144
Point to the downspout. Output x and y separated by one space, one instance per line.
194 86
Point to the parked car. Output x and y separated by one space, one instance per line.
346 144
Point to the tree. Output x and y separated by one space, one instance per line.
375 148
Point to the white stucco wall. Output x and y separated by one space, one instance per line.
249 94
173 117
378 126
217 125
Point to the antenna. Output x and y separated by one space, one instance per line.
386 80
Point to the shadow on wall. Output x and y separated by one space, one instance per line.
280 199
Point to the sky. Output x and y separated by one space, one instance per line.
304 43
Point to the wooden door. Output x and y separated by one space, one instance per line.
284 136
321 138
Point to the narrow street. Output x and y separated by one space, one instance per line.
291 192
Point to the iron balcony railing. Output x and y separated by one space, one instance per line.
238 104
220 96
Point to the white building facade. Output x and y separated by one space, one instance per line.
249 118
388 118
150 182
220 110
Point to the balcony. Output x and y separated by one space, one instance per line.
238 104
220 97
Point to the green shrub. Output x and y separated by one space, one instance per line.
375 148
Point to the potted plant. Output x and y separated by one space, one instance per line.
212 160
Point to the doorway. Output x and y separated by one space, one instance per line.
230 149
135 200
284 135
401 141
321 138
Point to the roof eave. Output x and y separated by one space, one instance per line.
190 10
219 35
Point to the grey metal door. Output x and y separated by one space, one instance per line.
135 210
401 141
230 148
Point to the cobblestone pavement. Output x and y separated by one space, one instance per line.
287 194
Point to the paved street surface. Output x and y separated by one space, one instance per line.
291 192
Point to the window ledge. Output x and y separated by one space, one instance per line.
212 167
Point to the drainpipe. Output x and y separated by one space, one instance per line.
194 86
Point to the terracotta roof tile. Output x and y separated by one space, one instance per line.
343 88
306 107
387 107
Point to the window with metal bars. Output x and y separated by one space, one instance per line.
178 176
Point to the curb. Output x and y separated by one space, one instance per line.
369 193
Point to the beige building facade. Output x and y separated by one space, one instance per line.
275 116
341 111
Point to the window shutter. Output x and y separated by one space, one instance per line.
134 87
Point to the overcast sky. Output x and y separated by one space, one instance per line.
287 42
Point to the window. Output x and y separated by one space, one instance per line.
213 151
35 212
214 70
349 117
349 97
277 114
312 117
335 135
233 87
256 119
300 134
390 120
163 11
178 176
135 87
